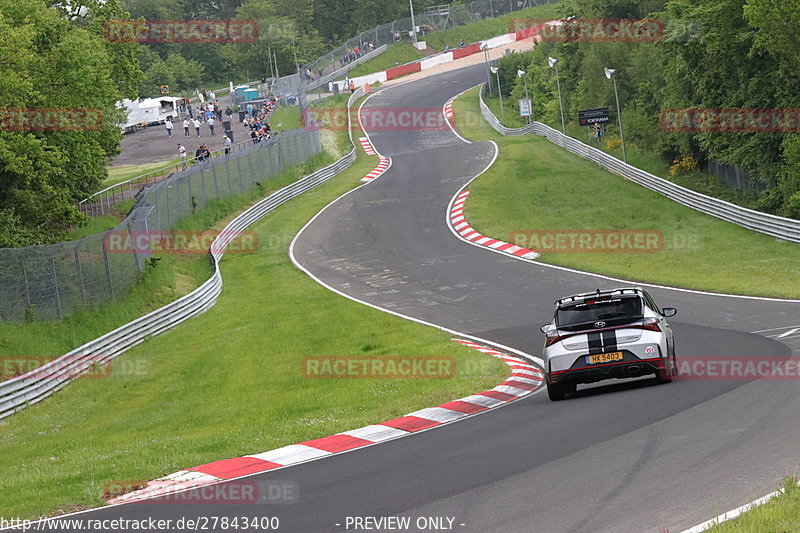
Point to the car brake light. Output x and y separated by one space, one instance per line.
552 337
650 324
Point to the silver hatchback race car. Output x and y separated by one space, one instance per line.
619 333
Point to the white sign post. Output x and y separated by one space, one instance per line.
524 107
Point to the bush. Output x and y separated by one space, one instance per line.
683 165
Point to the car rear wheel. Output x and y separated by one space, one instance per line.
669 371
557 391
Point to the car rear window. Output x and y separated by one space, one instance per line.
610 310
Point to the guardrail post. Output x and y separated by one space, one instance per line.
25 281
79 270
55 283
135 248
107 266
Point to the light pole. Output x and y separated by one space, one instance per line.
553 62
485 49
612 75
413 25
496 71
521 74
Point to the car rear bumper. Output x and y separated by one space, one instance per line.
628 368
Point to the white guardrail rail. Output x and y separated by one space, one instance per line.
787 229
22 391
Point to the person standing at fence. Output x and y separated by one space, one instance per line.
186 128
227 145
182 153
211 122
196 124
168 124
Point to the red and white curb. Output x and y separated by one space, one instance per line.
383 162
367 146
383 165
462 227
524 379
448 110
383 76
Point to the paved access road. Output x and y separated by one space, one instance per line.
617 457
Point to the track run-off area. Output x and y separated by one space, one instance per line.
616 457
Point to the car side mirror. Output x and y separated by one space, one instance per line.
669 311
546 328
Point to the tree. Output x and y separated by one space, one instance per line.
54 61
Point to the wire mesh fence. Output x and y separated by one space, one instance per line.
48 282
435 19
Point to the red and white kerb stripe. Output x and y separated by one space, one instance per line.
367 146
524 379
383 165
462 227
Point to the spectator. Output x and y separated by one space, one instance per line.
168 124
228 112
186 128
212 97
182 153
189 108
211 122
228 144
209 112
254 134
196 124
461 43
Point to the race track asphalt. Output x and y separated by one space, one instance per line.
616 457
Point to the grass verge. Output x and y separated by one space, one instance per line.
228 382
537 186
396 54
781 513
697 180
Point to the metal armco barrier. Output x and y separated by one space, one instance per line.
27 389
787 229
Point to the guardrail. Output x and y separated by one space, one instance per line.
319 82
32 387
787 229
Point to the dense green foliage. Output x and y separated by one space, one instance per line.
56 59
715 54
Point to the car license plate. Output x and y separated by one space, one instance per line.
603 358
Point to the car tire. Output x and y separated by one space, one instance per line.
666 375
556 391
